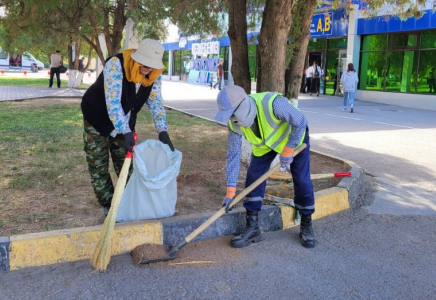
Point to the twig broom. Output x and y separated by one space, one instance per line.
102 253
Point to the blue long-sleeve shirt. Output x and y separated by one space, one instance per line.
284 111
113 80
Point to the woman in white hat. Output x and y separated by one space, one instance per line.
129 80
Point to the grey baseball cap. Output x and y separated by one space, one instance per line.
228 100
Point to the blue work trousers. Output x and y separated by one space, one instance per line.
304 198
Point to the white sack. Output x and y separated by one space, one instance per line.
151 191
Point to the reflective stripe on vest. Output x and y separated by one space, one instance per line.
274 132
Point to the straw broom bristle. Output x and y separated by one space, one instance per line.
280 176
102 253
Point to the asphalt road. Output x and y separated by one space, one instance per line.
381 248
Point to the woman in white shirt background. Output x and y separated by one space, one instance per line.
349 82
315 73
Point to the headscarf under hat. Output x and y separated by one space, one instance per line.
133 68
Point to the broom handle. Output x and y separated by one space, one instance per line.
286 176
102 251
129 154
121 184
333 175
238 198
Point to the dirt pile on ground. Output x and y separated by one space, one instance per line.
208 252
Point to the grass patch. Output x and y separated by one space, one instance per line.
33 82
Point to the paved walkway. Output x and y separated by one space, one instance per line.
170 91
9 93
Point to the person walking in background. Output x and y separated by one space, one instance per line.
128 81
315 71
273 126
219 74
431 81
211 80
81 66
55 63
349 82
308 85
81 63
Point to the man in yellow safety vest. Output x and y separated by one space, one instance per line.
272 125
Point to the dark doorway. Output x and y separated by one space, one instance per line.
315 56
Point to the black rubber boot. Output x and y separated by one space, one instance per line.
106 209
251 233
307 238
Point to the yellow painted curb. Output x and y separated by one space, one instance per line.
287 213
38 249
327 202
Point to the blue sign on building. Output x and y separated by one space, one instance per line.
333 24
321 25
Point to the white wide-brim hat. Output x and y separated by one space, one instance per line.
149 53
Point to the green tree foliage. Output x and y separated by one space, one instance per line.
53 24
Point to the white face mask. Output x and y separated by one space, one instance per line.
245 113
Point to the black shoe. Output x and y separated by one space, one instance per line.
307 238
106 209
310 94
351 111
317 95
251 233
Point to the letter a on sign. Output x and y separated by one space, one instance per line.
319 28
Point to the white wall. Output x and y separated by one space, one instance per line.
427 102
353 40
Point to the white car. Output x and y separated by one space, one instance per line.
24 61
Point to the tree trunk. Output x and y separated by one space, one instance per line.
74 75
239 44
276 23
115 24
298 40
95 45
78 46
74 78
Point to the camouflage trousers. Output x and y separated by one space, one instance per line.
98 149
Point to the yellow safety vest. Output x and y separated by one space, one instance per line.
274 132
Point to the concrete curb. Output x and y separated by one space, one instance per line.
353 184
47 248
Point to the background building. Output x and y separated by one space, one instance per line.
395 59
